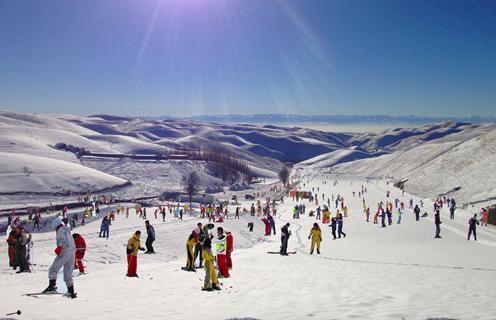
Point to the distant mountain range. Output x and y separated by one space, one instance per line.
334 119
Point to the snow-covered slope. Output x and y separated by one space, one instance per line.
336 157
23 173
462 165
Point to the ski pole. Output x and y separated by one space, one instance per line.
18 312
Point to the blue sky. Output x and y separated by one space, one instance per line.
191 57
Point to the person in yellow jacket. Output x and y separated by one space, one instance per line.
316 236
133 245
190 245
208 259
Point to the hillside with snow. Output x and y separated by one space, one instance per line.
414 153
460 165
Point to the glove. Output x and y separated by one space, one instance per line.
58 250
309 237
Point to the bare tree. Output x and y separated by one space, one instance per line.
284 174
190 183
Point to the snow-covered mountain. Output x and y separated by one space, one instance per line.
462 165
398 152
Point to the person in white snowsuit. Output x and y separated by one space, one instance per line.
65 252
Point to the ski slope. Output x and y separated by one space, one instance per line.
399 272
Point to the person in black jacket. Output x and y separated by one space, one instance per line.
199 246
417 212
150 237
333 226
437 222
285 234
472 227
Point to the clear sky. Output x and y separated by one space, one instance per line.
191 57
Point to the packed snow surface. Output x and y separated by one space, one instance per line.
397 272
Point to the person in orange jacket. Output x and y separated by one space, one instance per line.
80 251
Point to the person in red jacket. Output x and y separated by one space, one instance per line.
267 226
229 248
11 242
80 251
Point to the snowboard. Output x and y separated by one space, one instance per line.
277 252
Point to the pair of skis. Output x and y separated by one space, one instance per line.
37 294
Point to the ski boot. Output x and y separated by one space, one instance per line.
52 288
207 289
215 287
70 293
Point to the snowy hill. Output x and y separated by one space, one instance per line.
461 165
25 173
263 148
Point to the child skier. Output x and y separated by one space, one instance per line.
80 251
190 244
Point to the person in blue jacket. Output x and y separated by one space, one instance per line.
340 226
104 228
272 223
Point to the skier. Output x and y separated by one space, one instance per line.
220 249
267 226
316 236
333 226
104 228
20 257
272 223
485 217
150 237
318 210
133 245
400 213
190 244
340 226
437 222
472 227
65 258
80 251
229 249
417 212
210 282
285 234
383 218
199 245
389 215
452 211
367 213
11 243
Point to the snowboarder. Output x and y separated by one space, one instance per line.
66 254
316 236
150 237
285 234
437 222
472 227
133 246
80 251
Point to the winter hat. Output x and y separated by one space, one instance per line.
56 222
